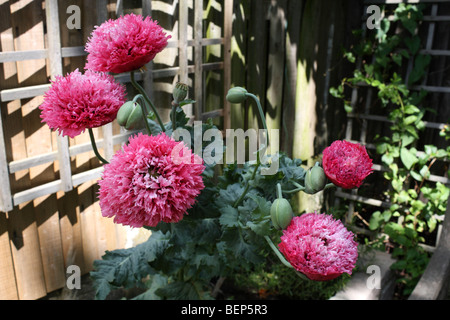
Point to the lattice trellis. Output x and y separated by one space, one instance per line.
364 116
55 54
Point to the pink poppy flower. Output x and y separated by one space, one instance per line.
346 164
146 183
319 246
124 44
80 101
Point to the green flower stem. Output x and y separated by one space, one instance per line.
329 185
174 117
261 113
147 99
144 111
263 119
247 186
94 146
294 190
279 192
299 188
282 259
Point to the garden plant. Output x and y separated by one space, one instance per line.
208 220
416 203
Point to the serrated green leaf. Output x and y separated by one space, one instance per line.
155 282
229 216
127 267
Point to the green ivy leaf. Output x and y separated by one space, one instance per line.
408 158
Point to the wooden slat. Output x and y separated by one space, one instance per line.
8 289
10 56
148 75
18 165
227 34
55 63
23 92
67 52
78 51
5 189
27 29
428 124
198 69
38 138
275 65
183 23
212 114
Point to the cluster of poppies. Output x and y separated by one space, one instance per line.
142 185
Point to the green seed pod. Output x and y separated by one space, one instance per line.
281 213
315 180
236 95
130 116
180 92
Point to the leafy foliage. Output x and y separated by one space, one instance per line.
216 238
415 201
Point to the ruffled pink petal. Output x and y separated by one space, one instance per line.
346 164
143 185
319 246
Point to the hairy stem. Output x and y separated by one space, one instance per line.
147 99
94 147
261 113
247 186
144 111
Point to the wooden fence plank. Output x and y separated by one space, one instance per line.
198 36
275 65
183 23
294 14
38 138
257 60
8 289
22 227
227 34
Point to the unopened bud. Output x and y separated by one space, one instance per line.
315 180
180 92
281 213
130 116
236 95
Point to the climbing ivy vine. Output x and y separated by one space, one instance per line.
416 203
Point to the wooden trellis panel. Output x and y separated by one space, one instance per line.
41 222
55 53
363 117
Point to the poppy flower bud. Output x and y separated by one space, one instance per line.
236 95
130 116
179 92
315 180
281 213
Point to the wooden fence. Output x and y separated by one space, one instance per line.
49 213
